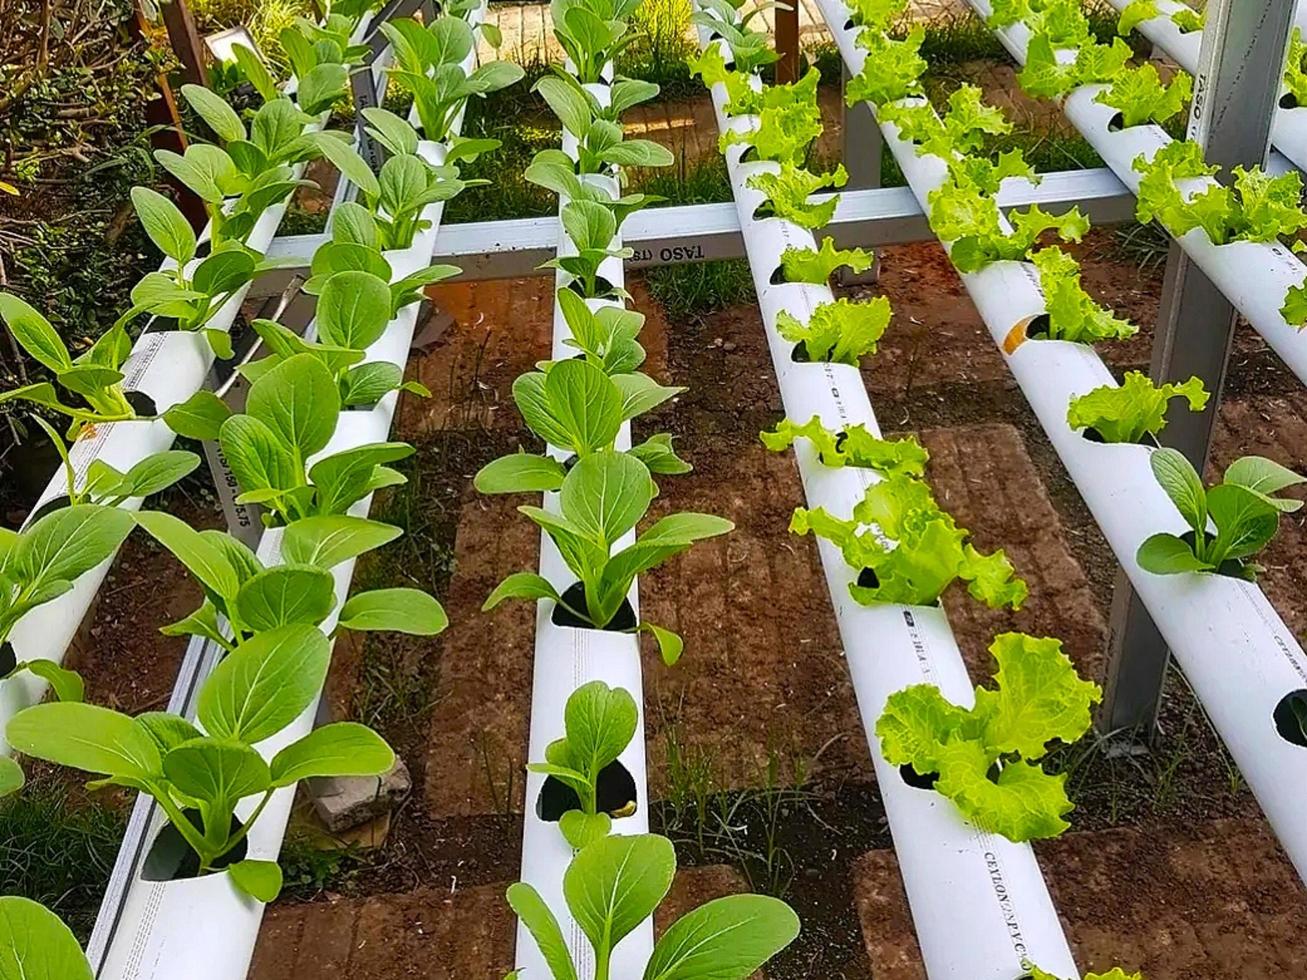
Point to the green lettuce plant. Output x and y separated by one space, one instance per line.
94 377
1061 21
1138 11
592 33
198 775
852 446
353 311
576 407
1045 77
911 548
892 70
789 119
787 192
290 415
35 943
599 723
841 332
1242 507
602 498
960 130
1141 96
876 15
1295 68
1072 313
987 757
1134 409
816 265
615 883
592 229
1116 973
253 598
600 143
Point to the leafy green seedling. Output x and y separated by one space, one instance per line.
1141 96
602 498
301 591
750 51
1136 408
1072 313
892 71
1116 973
43 561
405 187
816 265
575 406
1046 76
555 171
95 376
913 550
852 446
877 15
592 33
962 129
1243 508
591 228
605 334
1038 699
841 332
599 722
353 312
254 693
789 119
615 883
600 144
272 448
787 192
35 944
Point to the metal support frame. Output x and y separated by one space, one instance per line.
1236 91
787 41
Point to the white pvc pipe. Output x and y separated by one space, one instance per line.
1235 650
1253 276
979 902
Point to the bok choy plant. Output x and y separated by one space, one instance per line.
600 144
576 407
592 33
615 883
353 311
599 722
198 775
853 446
254 598
986 758
1242 507
555 171
602 498
909 550
1134 410
290 415
604 334
94 377
591 227
34 942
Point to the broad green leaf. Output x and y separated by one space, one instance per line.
204 559
641 393
600 722
35 945
258 457
285 595
1245 522
214 110
1165 554
520 473
580 828
401 610
328 541
1025 803
614 884
34 333
1264 477
157 472
540 921
66 684
343 748
216 772
353 309
166 226
606 494
166 731
1178 478
521 585
11 781
670 644
65 544
321 87
299 401
915 724
258 879
725 939
352 167
86 737
199 417
265 684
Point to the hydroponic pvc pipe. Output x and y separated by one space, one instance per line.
205 929
979 902
1288 126
1235 650
565 659
1253 276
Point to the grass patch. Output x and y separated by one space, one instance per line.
59 851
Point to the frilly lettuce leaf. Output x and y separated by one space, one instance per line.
1135 14
1141 96
877 15
841 332
1115 974
1061 21
788 191
710 65
961 129
816 266
1126 413
1072 313
1038 698
1295 75
892 70
789 119
1271 207
854 446
1043 76
1294 309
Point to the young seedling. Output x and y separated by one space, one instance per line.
602 498
842 332
253 598
94 377
788 190
911 549
815 266
853 446
35 943
591 228
555 171
600 146
398 196
604 334
254 693
1242 508
575 406
1133 410
1072 313
290 415
1035 973
615 883
592 33
789 119
599 722
987 757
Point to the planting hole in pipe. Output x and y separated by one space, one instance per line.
615 795
916 779
8 658
1093 435
1031 328
1290 717
142 404
1288 101
868 579
624 622
171 859
603 289
1116 123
